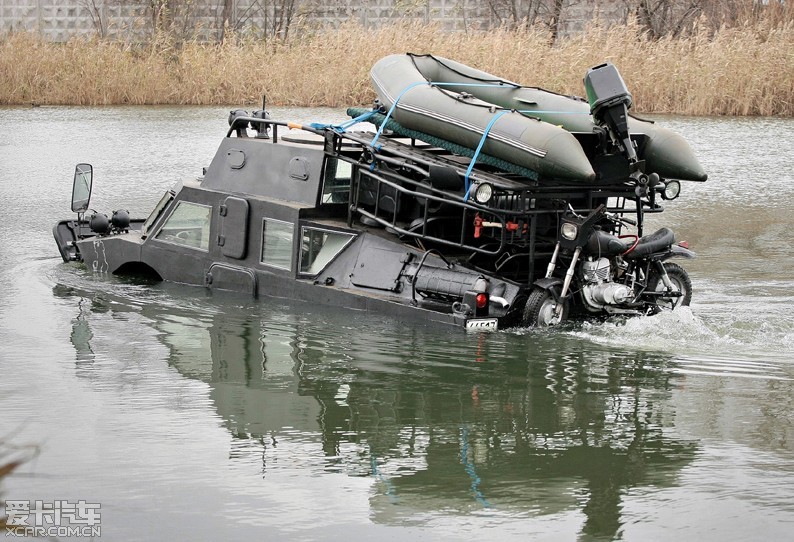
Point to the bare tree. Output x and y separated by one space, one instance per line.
526 13
273 18
733 12
555 18
664 17
514 13
283 14
176 19
96 11
225 19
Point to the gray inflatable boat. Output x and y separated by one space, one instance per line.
527 126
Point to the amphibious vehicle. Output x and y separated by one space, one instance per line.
450 209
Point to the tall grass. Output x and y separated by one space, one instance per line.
745 70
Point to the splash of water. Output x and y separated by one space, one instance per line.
742 346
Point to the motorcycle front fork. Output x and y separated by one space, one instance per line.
660 269
568 275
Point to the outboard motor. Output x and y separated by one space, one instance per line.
610 101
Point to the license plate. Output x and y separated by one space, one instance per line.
482 323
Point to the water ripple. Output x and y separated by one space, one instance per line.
748 348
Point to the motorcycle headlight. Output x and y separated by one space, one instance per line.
671 190
569 231
483 193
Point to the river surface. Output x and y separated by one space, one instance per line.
195 416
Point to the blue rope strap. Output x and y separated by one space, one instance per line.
366 116
341 128
528 111
391 110
421 83
479 148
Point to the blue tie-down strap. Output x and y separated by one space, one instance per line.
418 84
341 128
479 148
393 106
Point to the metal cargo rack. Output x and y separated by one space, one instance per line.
405 185
410 184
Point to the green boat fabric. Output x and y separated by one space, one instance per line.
666 152
395 127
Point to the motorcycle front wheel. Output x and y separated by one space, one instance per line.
540 310
681 283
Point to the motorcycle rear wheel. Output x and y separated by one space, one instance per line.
681 283
540 309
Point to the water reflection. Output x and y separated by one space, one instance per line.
192 418
81 336
441 422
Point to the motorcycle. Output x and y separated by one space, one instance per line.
595 269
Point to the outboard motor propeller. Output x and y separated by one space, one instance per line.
610 101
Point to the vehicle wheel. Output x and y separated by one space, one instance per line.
681 283
540 309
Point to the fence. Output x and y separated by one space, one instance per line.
58 20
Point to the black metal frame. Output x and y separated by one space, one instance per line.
403 169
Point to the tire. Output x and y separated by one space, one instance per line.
681 283
539 310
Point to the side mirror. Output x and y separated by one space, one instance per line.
81 188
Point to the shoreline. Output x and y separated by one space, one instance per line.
745 71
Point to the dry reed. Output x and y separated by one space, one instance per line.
746 70
12 458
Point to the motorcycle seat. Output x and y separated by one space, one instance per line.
606 244
655 242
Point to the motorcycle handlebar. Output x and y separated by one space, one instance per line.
601 210
623 219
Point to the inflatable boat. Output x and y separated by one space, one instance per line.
527 126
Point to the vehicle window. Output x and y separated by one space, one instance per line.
188 225
156 212
319 247
277 243
336 187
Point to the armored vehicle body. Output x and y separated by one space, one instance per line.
422 217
